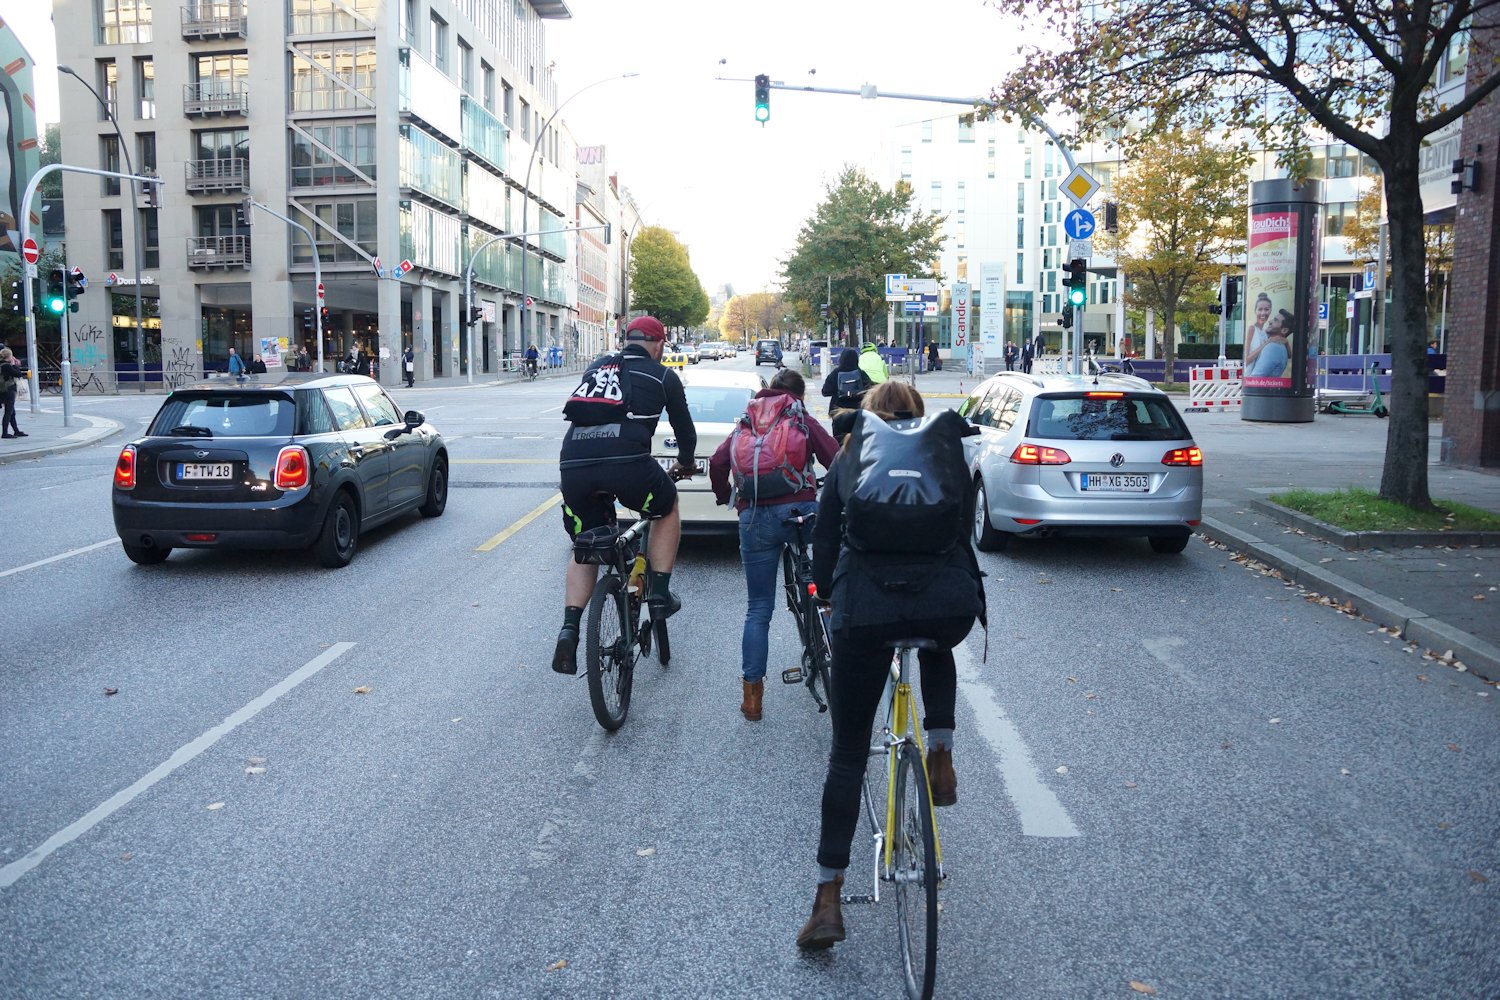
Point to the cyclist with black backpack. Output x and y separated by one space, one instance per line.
891 552
846 384
769 458
606 454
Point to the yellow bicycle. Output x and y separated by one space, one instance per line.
907 852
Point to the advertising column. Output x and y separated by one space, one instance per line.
1281 304
961 321
991 314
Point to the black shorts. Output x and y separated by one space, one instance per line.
589 492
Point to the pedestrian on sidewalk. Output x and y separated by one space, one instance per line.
236 365
11 374
1010 355
409 366
1028 354
934 362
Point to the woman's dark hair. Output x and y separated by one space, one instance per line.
790 381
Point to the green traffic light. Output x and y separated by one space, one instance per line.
1078 296
762 113
56 304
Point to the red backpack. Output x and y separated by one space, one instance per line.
769 452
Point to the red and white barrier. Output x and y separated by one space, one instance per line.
1214 388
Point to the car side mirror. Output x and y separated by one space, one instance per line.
414 419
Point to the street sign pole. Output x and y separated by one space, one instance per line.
1223 317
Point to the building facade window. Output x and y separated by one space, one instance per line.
318 16
222 144
124 22
354 220
145 153
966 128
220 220
409 20
1020 267
508 106
1020 197
313 165
1339 215
1020 232
145 88
465 66
225 71
114 239
487 85
437 39
525 121
316 84
962 199
989 158
150 238
107 79
935 201
109 159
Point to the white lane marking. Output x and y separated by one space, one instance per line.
1039 810
64 555
13 871
553 409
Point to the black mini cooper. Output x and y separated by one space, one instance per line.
303 461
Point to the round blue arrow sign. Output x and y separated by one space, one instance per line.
1079 224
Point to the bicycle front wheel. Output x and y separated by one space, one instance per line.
915 871
610 652
821 654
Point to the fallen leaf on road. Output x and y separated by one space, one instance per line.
1422 677
459 719
1140 987
1131 784
1091 696
1478 597
111 691
1455 748
255 770
1223 746
1344 771
126 855
646 852
1325 560
216 805
1275 722
1445 826
362 689
1072 680
1063 769
1043 580
561 963
1118 590
1477 876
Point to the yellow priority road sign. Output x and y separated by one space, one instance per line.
1079 186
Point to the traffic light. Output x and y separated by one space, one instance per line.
56 300
15 296
307 318
823 310
153 195
1067 316
762 98
1077 281
1111 217
244 213
475 315
609 231
77 283
1231 295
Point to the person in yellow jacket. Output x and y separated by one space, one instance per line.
872 364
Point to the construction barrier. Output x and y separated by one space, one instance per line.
1213 388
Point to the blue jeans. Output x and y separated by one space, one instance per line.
762 536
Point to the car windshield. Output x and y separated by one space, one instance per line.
715 404
1106 416
225 415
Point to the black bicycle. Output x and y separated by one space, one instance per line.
619 630
810 614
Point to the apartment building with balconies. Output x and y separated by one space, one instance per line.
392 130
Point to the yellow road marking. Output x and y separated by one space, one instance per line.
504 461
551 502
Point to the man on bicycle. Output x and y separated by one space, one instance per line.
532 357
606 454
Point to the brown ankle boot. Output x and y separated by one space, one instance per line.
940 776
826 925
754 692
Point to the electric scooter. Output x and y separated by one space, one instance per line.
1374 404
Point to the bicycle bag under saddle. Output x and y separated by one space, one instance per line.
596 546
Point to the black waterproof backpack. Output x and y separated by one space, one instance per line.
905 484
847 383
603 396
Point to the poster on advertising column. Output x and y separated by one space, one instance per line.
1270 294
992 307
961 317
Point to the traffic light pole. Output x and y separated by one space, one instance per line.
317 268
67 352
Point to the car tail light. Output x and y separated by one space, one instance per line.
291 468
1104 395
125 468
201 536
1033 454
1027 520
1183 456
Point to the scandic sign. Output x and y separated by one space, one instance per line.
1272 226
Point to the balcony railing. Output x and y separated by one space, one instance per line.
215 97
214 20
204 252
214 176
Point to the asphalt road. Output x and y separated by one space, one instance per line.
1172 770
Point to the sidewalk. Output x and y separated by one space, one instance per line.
1443 597
46 435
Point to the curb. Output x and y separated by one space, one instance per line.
1351 541
1481 657
99 429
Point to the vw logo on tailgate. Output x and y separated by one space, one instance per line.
1116 460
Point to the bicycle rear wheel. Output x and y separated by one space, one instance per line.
819 653
610 652
915 868
794 590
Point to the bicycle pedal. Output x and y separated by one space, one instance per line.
861 898
791 675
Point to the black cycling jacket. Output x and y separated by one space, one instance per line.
653 389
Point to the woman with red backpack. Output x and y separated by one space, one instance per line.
765 468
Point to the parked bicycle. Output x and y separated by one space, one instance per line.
619 630
908 854
810 614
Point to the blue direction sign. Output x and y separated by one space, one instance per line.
1079 224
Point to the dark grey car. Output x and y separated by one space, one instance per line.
304 461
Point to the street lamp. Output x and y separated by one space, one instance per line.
536 144
135 228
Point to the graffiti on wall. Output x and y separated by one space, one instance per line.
86 345
180 367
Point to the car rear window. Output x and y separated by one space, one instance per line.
715 403
1106 417
224 414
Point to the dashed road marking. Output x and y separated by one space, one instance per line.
541 509
59 557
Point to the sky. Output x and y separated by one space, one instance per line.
686 144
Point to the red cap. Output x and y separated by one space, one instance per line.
645 328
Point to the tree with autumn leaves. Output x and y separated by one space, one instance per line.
662 282
1182 214
1286 72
